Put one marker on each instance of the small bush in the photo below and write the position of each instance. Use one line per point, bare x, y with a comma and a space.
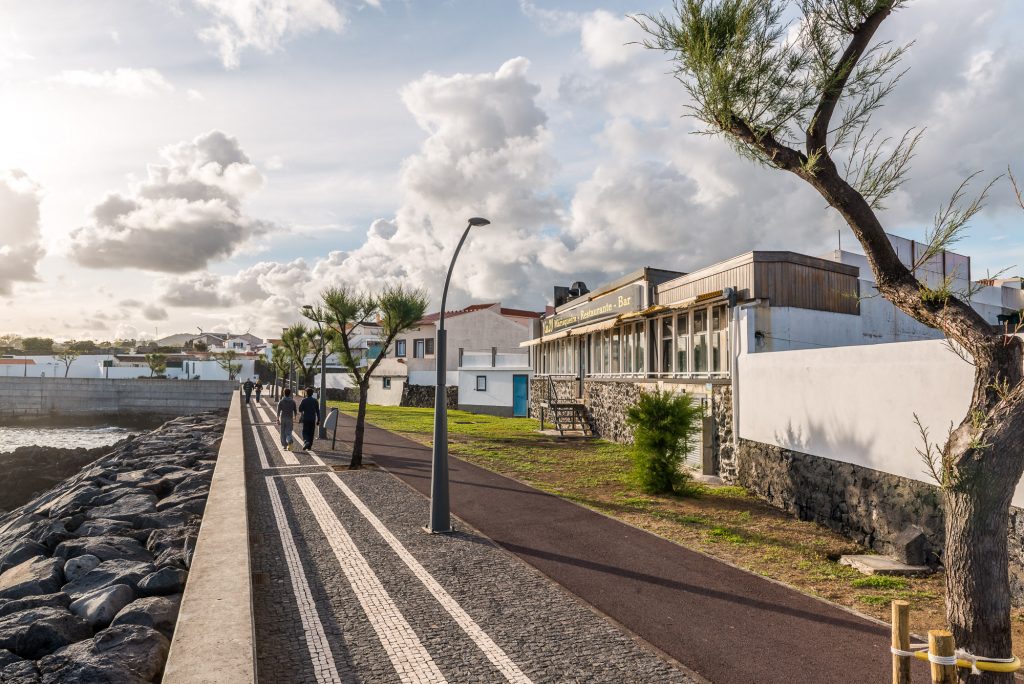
664, 425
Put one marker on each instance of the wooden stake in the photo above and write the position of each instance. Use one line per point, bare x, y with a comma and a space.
901, 640
940, 642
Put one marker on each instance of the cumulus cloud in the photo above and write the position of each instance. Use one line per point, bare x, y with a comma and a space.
20, 247
186, 214
152, 312
127, 82
605, 39
551, 21
264, 24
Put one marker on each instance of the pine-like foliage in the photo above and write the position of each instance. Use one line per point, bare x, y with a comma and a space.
664, 426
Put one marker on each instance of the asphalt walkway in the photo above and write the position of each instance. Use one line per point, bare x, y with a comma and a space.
725, 624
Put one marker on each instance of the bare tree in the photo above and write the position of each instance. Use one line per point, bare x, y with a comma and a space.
799, 96
398, 308
67, 356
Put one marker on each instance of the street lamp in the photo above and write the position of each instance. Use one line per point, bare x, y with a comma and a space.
317, 315
440, 513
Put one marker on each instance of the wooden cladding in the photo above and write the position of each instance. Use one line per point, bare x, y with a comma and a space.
782, 278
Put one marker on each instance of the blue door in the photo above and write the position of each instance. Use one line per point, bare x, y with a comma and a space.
519, 395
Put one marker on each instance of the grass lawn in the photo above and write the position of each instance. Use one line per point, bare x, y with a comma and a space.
722, 521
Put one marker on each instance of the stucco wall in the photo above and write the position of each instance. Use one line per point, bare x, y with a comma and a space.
38, 397
856, 404
499, 387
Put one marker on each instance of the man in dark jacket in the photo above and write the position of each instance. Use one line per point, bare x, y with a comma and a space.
247, 388
309, 414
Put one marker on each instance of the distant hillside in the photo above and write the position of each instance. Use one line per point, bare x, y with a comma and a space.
175, 340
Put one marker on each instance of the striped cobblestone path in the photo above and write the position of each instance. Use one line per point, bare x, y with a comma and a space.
347, 588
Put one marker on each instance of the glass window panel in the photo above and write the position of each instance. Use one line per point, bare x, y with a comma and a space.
683, 343
666, 344
627, 349
640, 347
615, 352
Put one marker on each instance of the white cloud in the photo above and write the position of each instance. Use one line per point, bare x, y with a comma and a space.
20, 248
606, 39
264, 24
194, 95
185, 215
122, 81
552, 22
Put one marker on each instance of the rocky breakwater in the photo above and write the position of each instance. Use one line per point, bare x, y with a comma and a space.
91, 571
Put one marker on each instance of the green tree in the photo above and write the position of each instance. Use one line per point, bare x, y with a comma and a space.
304, 348
37, 345
798, 96
399, 309
10, 341
664, 427
226, 360
67, 355
280, 360
83, 346
157, 364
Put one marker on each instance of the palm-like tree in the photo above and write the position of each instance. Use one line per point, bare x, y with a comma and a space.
399, 308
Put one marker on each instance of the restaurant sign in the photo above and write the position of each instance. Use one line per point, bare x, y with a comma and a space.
624, 300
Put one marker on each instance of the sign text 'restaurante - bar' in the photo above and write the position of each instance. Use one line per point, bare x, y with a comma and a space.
624, 300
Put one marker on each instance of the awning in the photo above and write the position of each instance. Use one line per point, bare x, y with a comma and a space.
546, 338
594, 327
641, 314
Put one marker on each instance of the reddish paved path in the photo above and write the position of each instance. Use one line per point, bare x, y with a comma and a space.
723, 623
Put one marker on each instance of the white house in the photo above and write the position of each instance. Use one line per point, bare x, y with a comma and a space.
495, 383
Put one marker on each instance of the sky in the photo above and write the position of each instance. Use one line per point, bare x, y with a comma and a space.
168, 165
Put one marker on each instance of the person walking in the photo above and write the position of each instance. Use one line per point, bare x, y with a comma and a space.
247, 388
309, 415
258, 389
286, 410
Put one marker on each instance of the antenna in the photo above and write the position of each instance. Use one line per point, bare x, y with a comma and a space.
839, 234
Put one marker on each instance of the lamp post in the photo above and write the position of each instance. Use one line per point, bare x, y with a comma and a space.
317, 315
440, 513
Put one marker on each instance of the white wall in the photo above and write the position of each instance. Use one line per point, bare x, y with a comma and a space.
856, 404
430, 377
499, 387
380, 396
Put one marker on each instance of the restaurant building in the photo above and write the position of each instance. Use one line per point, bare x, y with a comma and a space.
657, 329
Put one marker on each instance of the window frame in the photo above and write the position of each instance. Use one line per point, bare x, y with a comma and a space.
482, 388
400, 349
419, 348
386, 382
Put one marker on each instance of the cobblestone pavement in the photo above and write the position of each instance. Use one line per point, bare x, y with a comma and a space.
347, 588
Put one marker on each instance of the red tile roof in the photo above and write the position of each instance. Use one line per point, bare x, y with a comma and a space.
17, 362
520, 313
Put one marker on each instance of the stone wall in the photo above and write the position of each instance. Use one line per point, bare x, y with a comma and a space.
868, 506
722, 448
607, 401
27, 398
422, 396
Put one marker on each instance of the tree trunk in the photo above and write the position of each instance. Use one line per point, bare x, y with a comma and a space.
976, 563
357, 440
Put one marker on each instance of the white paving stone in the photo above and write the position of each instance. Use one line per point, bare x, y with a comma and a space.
411, 660
494, 653
316, 641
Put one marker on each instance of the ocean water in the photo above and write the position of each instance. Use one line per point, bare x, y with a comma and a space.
12, 437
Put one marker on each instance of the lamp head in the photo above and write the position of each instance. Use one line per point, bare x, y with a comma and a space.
478, 222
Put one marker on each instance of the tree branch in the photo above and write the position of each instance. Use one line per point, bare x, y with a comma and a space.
817, 131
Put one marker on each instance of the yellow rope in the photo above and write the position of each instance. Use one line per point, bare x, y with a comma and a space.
983, 665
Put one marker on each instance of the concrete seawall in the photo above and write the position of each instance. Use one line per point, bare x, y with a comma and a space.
41, 397
213, 639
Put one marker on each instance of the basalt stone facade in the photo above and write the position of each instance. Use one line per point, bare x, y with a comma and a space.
868, 506
422, 396
607, 402
723, 450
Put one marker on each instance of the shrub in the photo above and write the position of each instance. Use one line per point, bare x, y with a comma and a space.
664, 426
